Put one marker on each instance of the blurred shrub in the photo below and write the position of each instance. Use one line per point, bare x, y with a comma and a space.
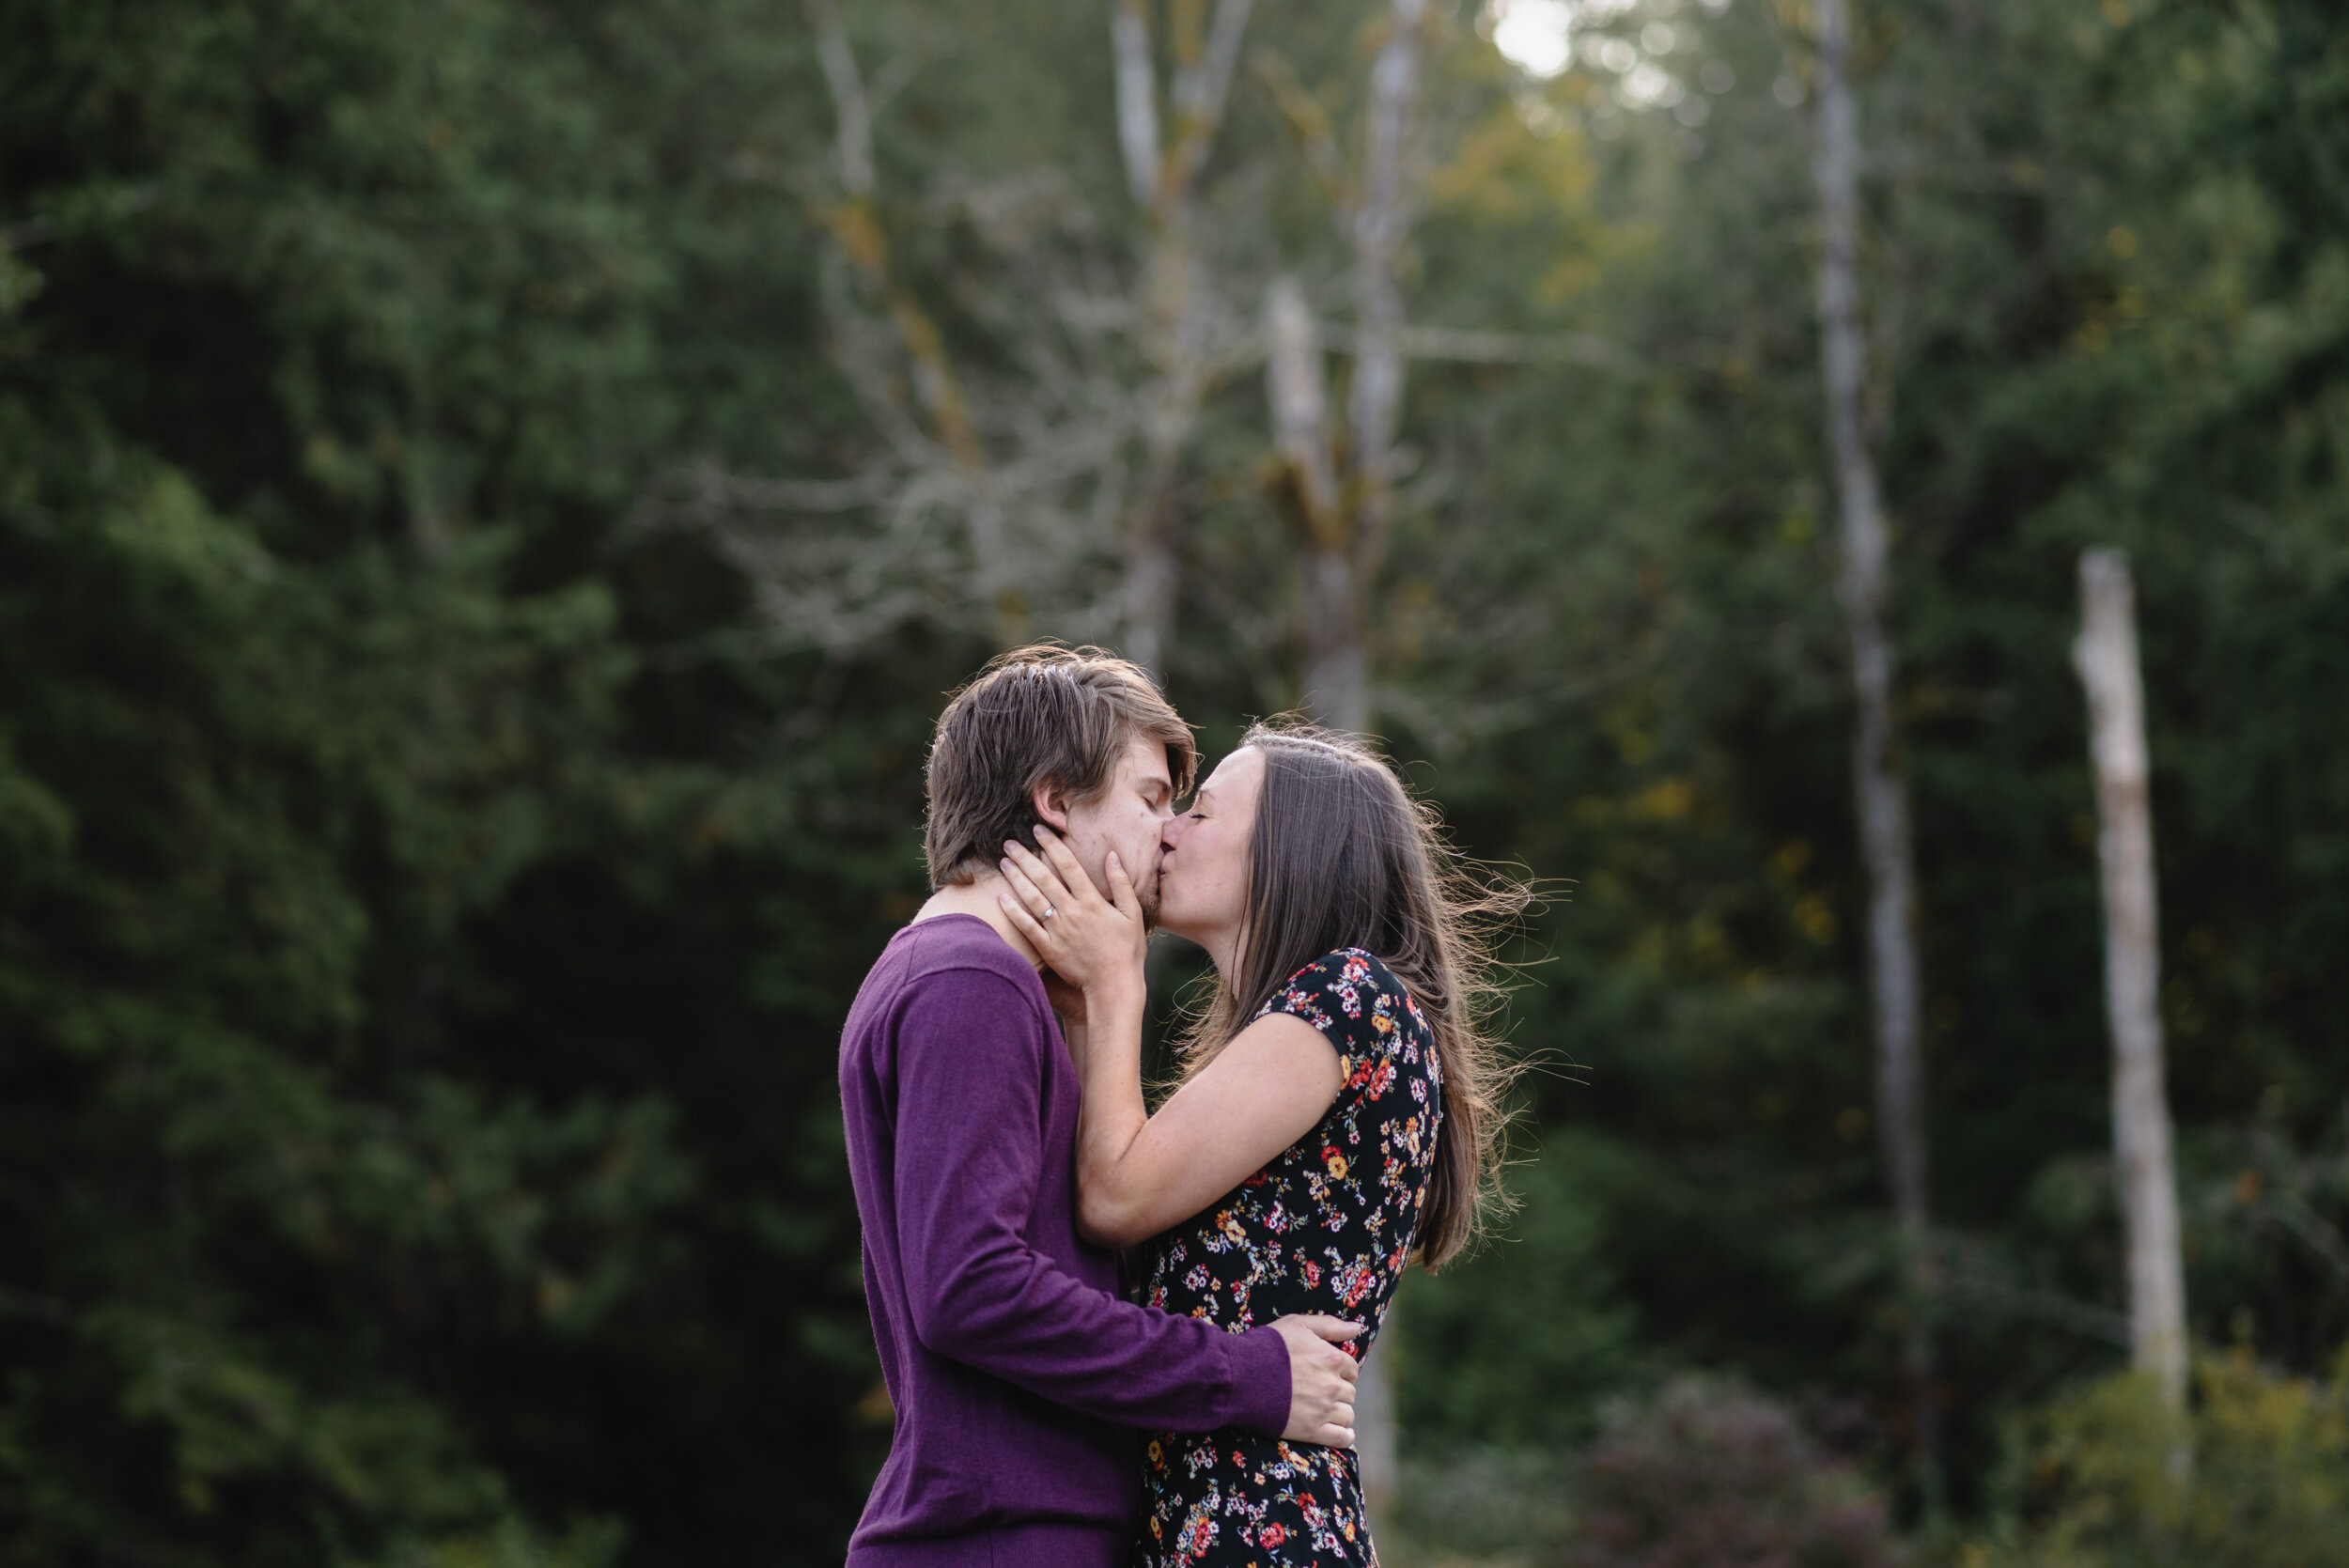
2254, 1475
1479, 1504
1701, 1475
1707, 1476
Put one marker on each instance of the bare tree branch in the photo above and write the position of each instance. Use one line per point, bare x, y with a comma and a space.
1308, 122
2312, 1230
1137, 100
852, 113
1300, 422
1470, 347
2000, 1294
1042, 476
1201, 90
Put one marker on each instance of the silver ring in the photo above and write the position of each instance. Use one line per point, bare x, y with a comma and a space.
1050, 912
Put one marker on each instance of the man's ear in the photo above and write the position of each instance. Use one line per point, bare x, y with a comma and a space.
1050, 803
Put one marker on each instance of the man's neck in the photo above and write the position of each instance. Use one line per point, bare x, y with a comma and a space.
978, 898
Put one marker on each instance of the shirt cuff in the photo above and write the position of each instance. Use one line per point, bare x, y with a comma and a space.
1260, 1382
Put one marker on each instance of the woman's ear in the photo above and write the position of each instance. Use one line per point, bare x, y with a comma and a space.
1050, 804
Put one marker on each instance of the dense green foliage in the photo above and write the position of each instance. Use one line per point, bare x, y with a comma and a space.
408, 1145
429, 888
2257, 1474
2103, 313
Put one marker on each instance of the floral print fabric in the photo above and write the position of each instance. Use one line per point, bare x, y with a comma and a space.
1325, 1228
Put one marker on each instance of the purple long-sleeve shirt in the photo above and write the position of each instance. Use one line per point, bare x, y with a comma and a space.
1021, 1381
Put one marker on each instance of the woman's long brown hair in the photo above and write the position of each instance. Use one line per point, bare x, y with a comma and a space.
1341, 856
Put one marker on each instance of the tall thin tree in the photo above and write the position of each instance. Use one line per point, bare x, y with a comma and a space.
1343, 514
1177, 338
2106, 657
1887, 843
1295, 390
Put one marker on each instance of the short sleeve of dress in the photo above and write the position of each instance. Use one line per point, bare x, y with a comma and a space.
1354, 1000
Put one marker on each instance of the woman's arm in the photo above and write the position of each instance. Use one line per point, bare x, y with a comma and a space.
1137, 1174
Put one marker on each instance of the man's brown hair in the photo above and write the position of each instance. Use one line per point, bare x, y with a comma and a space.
1039, 715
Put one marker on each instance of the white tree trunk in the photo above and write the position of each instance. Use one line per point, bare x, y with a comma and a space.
1336, 665
1175, 337
1345, 521
1382, 221
1337, 583
1344, 525
1137, 99
1887, 848
1300, 407
852, 110
2106, 657
1336, 686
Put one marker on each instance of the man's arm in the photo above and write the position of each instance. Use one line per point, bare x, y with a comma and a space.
970, 1156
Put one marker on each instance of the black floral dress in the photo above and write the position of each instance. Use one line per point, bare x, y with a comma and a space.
1325, 1228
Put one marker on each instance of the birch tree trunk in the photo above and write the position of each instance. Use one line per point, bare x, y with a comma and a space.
2106, 657
1341, 519
1342, 522
1885, 843
1176, 335
1337, 666
1300, 416
1337, 584
1382, 221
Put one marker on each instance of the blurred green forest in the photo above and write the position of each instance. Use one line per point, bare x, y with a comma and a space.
469, 627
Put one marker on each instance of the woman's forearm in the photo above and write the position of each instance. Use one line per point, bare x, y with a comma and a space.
1113, 1113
